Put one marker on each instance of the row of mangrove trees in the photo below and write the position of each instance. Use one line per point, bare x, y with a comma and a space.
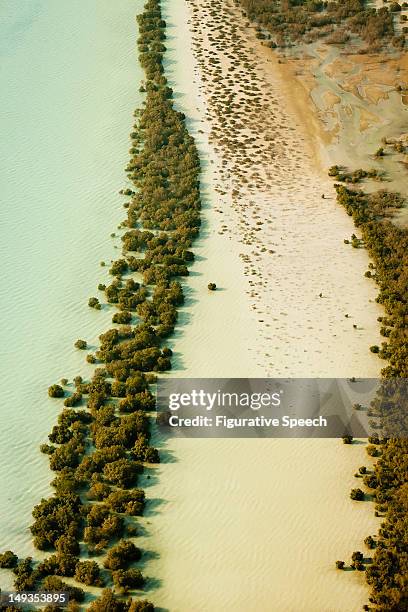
100, 445
387, 245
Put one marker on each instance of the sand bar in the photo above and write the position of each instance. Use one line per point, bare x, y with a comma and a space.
237, 525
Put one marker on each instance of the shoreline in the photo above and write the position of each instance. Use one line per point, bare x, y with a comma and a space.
98, 453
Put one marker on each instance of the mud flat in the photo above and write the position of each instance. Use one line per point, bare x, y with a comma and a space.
353, 102
248, 524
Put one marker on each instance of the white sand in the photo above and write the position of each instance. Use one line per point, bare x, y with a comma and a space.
246, 524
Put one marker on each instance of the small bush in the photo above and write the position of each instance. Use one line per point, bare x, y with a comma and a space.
121, 555
128, 579
88, 573
93, 302
81, 344
56, 391
8, 559
357, 494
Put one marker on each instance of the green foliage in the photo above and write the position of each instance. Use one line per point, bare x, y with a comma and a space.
121, 555
143, 452
67, 455
53, 584
93, 302
307, 20
54, 517
372, 451
8, 559
109, 603
388, 246
81, 344
125, 580
25, 577
63, 564
60, 434
88, 572
129, 502
119, 267
66, 481
395, 7
73, 400
99, 491
122, 317
122, 473
68, 545
369, 542
343, 175
56, 391
357, 494
102, 526
139, 605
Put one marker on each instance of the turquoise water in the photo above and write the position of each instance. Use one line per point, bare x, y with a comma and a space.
70, 81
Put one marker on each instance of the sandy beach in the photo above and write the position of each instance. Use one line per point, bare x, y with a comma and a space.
247, 524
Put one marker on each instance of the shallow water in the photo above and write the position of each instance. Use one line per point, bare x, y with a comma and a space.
71, 79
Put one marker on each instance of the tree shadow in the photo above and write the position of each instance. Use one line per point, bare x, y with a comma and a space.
167, 456
152, 506
142, 531
151, 585
159, 439
147, 556
149, 477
